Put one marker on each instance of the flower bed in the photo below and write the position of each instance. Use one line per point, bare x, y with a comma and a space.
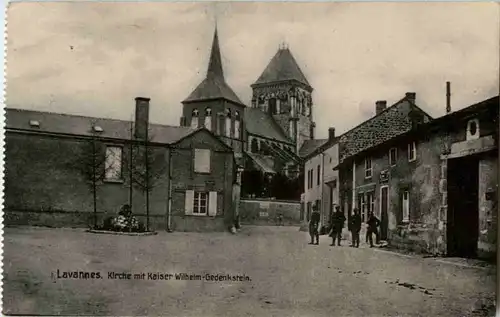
125, 233
123, 224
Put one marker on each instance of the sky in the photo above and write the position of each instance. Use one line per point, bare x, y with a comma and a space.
93, 59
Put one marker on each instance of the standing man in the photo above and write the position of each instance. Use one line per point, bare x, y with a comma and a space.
338, 225
355, 227
314, 224
372, 223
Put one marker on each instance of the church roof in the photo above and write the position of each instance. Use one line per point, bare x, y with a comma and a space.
214, 85
310, 146
282, 67
258, 122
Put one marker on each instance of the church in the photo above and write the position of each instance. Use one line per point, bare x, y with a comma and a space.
270, 136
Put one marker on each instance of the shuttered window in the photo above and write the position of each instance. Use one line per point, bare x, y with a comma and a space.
201, 203
202, 161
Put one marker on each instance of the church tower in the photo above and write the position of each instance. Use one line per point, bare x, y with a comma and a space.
283, 92
214, 105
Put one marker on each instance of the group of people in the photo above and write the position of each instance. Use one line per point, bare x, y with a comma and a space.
337, 225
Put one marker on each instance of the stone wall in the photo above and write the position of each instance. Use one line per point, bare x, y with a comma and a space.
488, 197
45, 183
264, 212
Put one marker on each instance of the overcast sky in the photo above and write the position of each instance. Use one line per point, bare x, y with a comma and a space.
95, 58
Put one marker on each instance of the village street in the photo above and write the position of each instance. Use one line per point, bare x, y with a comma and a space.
287, 276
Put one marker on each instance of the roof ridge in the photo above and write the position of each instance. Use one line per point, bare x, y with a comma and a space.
90, 117
375, 116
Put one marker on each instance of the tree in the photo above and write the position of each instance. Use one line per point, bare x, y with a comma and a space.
146, 168
92, 165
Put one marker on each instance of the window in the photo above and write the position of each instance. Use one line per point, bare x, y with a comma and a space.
195, 119
113, 163
393, 156
237, 131
272, 106
318, 175
208, 119
292, 130
254, 146
201, 203
34, 123
308, 179
472, 129
362, 206
370, 202
412, 151
228, 123
201, 161
405, 206
311, 178
368, 167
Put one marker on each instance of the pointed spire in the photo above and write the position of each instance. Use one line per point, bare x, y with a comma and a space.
214, 86
215, 63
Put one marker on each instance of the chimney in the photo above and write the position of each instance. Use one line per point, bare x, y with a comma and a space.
411, 97
331, 134
380, 106
448, 97
141, 117
311, 130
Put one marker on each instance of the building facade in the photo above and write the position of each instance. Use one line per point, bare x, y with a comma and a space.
56, 162
433, 187
321, 180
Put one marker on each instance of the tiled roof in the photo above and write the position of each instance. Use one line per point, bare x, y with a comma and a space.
260, 123
282, 67
390, 123
309, 146
214, 85
81, 125
213, 88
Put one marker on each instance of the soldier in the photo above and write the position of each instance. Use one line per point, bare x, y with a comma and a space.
372, 223
313, 225
337, 226
355, 228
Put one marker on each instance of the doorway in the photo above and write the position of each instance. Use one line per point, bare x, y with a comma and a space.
384, 206
463, 207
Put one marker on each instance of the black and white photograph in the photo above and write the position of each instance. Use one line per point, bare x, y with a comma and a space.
301, 159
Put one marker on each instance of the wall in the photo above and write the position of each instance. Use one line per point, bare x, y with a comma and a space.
264, 212
488, 183
330, 177
45, 183
314, 193
184, 178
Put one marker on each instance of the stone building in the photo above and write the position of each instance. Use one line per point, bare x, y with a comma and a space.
268, 135
51, 160
357, 184
433, 186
